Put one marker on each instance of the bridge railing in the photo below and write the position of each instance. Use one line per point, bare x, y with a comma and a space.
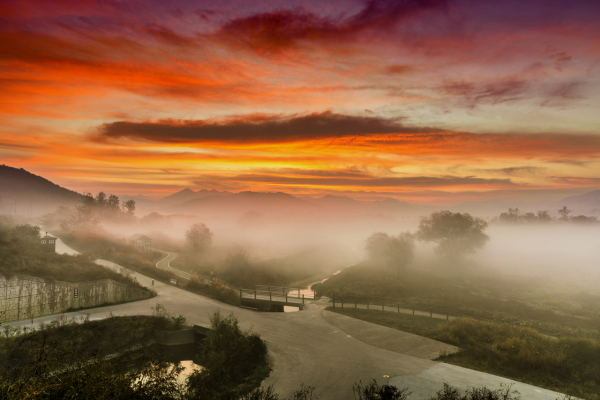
268, 295
279, 289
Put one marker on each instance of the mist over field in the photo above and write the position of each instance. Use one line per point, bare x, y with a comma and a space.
557, 254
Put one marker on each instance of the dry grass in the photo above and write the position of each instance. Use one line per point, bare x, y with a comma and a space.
569, 365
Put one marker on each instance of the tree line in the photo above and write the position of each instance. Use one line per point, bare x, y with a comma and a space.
91, 212
515, 216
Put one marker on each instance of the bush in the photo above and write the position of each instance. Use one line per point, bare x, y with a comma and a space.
166, 320
215, 289
66, 362
234, 361
374, 391
483, 393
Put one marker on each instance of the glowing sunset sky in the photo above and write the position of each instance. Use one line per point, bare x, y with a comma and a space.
423, 100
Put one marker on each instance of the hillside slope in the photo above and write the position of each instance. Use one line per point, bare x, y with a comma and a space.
31, 194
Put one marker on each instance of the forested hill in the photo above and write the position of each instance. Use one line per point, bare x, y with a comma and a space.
30, 194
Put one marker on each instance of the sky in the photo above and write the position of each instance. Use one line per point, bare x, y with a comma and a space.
427, 101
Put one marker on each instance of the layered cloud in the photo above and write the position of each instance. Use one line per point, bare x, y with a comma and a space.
351, 131
391, 96
258, 128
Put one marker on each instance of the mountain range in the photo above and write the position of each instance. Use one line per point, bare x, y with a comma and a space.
34, 195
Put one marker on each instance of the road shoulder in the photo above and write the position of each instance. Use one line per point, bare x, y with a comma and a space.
388, 338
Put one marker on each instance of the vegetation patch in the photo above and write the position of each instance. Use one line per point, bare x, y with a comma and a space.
20, 253
234, 362
99, 244
109, 359
215, 290
569, 365
237, 268
480, 296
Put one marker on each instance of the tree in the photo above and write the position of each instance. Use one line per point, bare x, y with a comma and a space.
544, 216
199, 237
584, 219
394, 251
130, 206
101, 200
82, 217
564, 214
456, 234
511, 216
528, 217
112, 205
26, 233
234, 361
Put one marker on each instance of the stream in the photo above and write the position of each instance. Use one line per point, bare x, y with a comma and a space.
307, 291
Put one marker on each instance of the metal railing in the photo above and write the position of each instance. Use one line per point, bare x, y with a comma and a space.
415, 308
278, 295
278, 289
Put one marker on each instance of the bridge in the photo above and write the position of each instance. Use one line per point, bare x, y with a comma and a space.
273, 298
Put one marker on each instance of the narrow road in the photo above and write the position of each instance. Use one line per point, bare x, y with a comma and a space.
165, 264
322, 349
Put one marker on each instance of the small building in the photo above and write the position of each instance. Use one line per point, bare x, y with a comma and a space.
140, 241
48, 243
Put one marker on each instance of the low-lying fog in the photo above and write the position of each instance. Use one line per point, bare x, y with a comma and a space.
557, 252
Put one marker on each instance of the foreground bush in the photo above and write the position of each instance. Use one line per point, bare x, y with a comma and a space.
74, 359
483, 393
374, 391
234, 361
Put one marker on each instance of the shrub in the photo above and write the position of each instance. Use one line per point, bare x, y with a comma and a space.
374, 391
483, 393
234, 361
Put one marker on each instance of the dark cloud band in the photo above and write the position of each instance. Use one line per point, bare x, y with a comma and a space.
253, 129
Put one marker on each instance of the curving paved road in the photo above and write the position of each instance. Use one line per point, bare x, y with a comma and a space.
324, 349
165, 264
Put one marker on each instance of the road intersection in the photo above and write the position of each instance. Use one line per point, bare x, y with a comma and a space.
322, 349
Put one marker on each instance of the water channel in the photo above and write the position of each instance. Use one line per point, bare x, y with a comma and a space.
307, 291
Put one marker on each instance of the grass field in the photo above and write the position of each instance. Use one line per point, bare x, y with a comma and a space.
486, 296
569, 365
